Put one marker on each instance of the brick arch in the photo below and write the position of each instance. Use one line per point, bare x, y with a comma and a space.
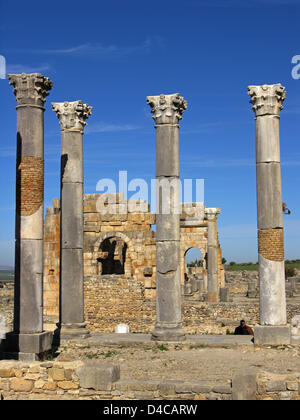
126, 239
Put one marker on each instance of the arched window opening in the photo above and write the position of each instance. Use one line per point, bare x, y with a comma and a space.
112, 256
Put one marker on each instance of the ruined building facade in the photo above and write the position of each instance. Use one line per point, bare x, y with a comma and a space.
119, 261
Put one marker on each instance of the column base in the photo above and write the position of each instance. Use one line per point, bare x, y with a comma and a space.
168, 333
72, 331
272, 335
26, 346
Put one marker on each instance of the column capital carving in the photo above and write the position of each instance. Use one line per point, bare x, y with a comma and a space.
212, 213
167, 109
30, 89
72, 115
267, 99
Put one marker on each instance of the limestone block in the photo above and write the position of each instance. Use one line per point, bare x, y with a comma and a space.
244, 385
72, 216
21, 385
167, 151
57, 374
267, 144
167, 257
167, 227
269, 197
7, 372
272, 304
71, 156
275, 386
272, 335
295, 325
98, 376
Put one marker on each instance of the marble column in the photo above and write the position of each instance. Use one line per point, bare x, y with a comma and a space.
72, 116
212, 254
267, 103
28, 338
167, 110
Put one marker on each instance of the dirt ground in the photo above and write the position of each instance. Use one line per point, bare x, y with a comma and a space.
207, 364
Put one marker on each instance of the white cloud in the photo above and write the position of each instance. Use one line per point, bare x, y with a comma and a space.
98, 50
215, 163
7, 152
23, 68
102, 127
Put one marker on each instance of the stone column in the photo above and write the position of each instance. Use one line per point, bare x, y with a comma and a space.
267, 103
28, 338
212, 254
72, 116
167, 110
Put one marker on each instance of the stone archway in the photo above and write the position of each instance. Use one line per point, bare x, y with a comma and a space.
183, 252
114, 254
197, 257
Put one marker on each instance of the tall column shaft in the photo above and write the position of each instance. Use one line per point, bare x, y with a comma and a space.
167, 110
212, 254
30, 91
72, 116
267, 104
29, 220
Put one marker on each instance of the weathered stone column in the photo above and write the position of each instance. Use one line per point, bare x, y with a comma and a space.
267, 103
212, 254
167, 110
72, 116
28, 338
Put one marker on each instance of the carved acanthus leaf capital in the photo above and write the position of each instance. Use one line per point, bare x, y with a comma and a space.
167, 109
72, 115
267, 99
211, 213
30, 89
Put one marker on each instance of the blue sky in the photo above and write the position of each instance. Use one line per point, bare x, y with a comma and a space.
113, 54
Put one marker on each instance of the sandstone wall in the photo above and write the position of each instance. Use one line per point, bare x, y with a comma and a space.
110, 301
131, 223
61, 381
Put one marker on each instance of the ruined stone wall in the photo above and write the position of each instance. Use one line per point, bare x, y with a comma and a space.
51, 260
113, 300
131, 223
110, 301
64, 381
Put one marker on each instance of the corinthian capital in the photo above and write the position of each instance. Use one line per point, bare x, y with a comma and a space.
267, 99
72, 115
167, 109
211, 213
30, 89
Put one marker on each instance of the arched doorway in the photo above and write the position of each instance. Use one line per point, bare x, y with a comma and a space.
112, 256
194, 262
